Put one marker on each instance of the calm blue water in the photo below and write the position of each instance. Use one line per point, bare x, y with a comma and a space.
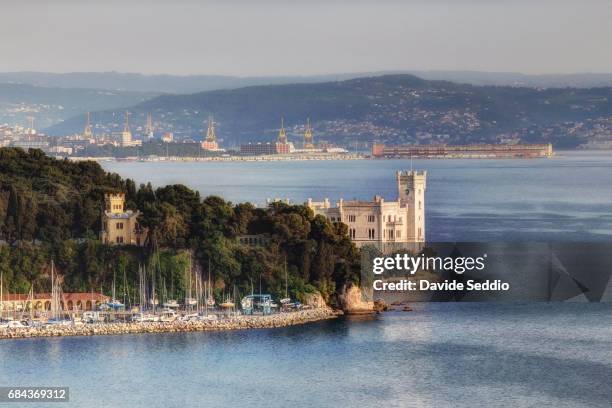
441, 355
568, 198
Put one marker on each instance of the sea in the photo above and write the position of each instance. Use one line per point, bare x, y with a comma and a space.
438, 355
453, 354
565, 198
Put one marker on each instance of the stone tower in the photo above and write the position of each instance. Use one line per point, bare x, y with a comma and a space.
126, 135
114, 202
411, 187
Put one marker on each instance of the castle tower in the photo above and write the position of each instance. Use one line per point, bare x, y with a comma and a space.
308, 136
282, 136
87, 132
114, 202
411, 187
126, 135
149, 131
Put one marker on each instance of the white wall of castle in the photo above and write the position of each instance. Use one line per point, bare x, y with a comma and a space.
380, 221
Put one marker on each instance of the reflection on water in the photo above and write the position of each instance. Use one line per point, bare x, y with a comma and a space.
441, 354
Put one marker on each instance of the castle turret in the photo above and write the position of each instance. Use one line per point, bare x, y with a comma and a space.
114, 202
411, 187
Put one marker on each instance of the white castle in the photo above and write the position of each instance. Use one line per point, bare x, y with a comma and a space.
381, 222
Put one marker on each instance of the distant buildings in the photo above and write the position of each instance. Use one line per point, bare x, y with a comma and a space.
257, 149
210, 142
120, 226
308, 138
126, 135
167, 137
282, 144
465, 151
379, 222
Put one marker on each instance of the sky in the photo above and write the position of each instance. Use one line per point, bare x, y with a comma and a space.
291, 37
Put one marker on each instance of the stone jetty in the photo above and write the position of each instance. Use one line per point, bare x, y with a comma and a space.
231, 323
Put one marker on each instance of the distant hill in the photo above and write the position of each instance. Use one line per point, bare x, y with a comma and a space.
392, 108
199, 83
156, 83
50, 106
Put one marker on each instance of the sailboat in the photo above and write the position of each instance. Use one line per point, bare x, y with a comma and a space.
228, 303
55, 300
114, 303
286, 299
210, 300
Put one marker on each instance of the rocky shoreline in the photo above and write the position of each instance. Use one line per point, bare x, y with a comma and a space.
236, 323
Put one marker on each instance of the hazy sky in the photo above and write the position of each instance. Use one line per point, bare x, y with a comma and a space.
305, 37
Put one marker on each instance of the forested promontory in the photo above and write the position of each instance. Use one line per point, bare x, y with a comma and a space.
50, 210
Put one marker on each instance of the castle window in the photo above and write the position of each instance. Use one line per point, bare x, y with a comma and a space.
352, 233
371, 233
371, 218
119, 240
119, 225
351, 218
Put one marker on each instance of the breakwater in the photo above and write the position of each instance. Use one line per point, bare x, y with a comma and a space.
232, 323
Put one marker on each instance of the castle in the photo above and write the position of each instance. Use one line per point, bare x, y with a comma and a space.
120, 226
381, 222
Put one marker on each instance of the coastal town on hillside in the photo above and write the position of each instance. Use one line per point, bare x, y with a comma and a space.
147, 143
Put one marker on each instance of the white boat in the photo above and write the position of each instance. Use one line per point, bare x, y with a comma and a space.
207, 317
171, 304
12, 324
228, 304
189, 317
91, 317
190, 301
58, 322
142, 318
167, 315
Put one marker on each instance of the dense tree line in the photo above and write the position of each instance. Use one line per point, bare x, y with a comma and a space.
51, 210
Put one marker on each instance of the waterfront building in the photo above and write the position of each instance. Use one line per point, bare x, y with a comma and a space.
31, 142
380, 222
282, 145
167, 137
43, 301
120, 226
308, 138
210, 142
481, 151
257, 149
126, 135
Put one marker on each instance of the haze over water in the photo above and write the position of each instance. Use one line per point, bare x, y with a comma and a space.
568, 198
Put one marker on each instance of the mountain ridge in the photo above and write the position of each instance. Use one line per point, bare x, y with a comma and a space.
392, 108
